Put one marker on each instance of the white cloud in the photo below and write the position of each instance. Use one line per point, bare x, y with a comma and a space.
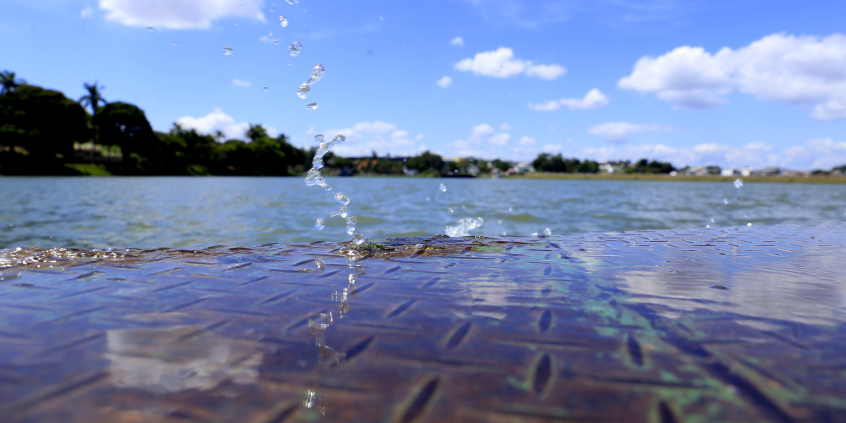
505, 127
622, 131
482, 139
592, 100
526, 142
178, 14
805, 71
366, 137
813, 154
444, 82
243, 84
219, 121
548, 72
457, 41
501, 63
552, 148
87, 12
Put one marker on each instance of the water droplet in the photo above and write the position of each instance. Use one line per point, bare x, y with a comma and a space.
510, 209
712, 220
319, 224
358, 239
427, 199
283, 21
295, 48
738, 183
175, 43
464, 226
276, 42
150, 29
451, 210
264, 88
499, 222
319, 264
749, 224
227, 51
317, 73
289, 64
707, 226
303, 90
311, 106
725, 200
535, 234
442, 187
269, 33
547, 232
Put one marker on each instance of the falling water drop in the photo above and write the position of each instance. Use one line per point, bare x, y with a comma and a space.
227, 51
295, 48
317, 73
302, 91
269, 33
451, 210
276, 42
725, 200
738, 183
264, 88
499, 222
311, 106
319, 224
427, 199
547, 232
283, 21
442, 188
175, 43
150, 29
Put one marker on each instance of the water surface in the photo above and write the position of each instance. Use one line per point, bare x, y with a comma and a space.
148, 212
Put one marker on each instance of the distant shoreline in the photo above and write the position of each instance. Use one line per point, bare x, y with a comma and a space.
683, 178
540, 175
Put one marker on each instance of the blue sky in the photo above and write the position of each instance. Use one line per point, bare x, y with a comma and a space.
732, 83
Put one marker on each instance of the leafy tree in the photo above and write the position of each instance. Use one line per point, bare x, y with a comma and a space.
7, 79
425, 161
93, 99
256, 132
40, 127
126, 126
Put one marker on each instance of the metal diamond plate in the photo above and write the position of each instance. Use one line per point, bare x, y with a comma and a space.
735, 325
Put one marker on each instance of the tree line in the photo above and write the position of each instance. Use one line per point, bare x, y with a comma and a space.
42, 132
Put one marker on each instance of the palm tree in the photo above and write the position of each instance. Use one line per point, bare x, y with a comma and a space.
9, 82
93, 99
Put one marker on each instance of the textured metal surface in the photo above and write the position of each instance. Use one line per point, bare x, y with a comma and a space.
739, 325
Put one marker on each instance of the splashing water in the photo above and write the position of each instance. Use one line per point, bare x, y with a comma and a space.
315, 178
311, 106
464, 226
295, 48
316, 75
319, 224
227, 51
547, 232
303, 90
283, 21
738, 183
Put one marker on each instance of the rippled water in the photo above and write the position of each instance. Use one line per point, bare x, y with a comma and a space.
180, 212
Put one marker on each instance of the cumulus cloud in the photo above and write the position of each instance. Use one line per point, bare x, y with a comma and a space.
592, 100
501, 63
243, 84
526, 142
805, 71
444, 82
366, 137
482, 138
178, 14
812, 154
219, 121
457, 41
622, 131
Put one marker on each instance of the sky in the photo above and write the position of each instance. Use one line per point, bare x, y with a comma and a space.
730, 83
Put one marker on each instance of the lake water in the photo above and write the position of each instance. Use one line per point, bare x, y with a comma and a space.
194, 211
